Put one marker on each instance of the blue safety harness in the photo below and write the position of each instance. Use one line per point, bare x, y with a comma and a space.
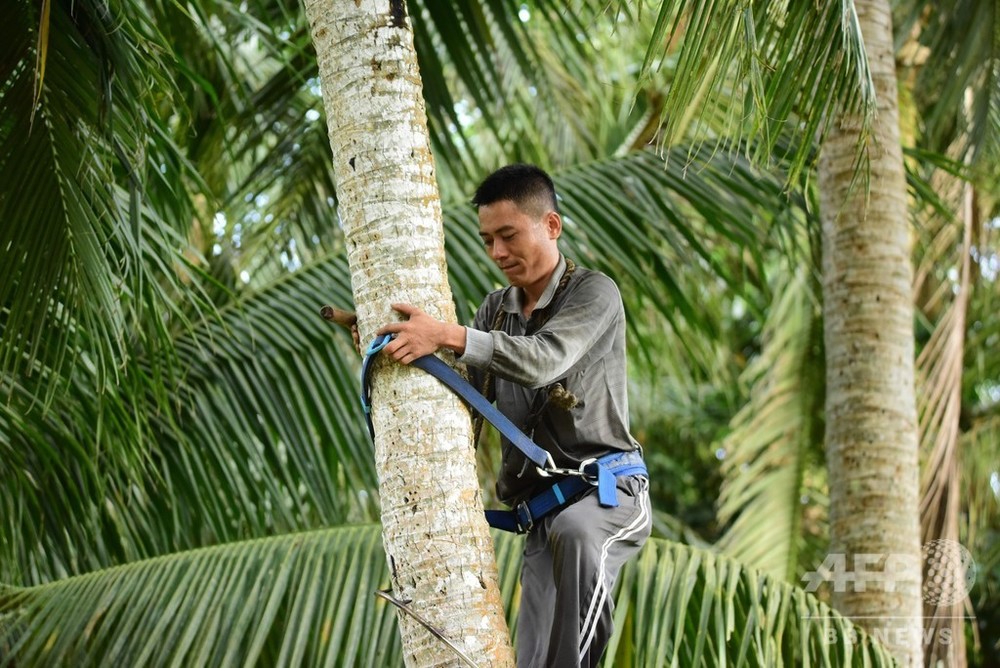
600, 472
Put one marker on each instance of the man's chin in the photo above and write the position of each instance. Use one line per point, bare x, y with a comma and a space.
513, 276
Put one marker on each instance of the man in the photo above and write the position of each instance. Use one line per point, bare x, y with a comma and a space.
551, 347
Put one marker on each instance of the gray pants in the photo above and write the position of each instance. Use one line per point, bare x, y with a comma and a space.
571, 560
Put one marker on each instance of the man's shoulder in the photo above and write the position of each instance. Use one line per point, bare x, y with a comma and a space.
594, 281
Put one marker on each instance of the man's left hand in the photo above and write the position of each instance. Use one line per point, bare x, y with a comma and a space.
420, 335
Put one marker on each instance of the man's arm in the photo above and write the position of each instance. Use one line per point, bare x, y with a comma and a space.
591, 309
533, 361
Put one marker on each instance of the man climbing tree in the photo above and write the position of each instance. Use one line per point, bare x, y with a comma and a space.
550, 348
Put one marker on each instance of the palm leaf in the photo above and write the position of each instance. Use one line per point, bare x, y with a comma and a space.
945, 227
84, 255
981, 492
276, 381
260, 433
955, 51
491, 60
306, 599
683, 606
752, 52
774, 438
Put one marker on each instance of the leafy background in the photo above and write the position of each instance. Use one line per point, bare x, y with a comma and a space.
178, 421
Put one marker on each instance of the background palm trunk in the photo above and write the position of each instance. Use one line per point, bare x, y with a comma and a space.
437, 543
871, 423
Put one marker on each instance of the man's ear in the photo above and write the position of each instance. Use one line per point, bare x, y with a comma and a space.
553, 224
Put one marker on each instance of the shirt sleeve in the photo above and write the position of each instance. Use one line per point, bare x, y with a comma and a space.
591, 307
478, 344
478, 348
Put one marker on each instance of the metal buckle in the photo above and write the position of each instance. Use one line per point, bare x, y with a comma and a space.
591, 479
518, 509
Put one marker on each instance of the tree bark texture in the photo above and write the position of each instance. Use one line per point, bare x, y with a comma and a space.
871, 418
437, 543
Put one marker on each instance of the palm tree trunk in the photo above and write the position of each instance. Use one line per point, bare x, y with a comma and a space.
438, 546
871, 420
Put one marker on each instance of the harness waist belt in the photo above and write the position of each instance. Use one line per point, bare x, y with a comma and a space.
600, 473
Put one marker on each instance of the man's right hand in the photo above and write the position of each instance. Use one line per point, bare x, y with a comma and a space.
344, 319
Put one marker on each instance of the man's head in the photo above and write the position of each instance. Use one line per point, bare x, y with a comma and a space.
527, 186
520, 224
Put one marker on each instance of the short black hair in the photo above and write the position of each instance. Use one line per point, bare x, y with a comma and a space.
528, 186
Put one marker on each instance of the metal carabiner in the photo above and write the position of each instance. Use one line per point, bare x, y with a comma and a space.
552, 470
550, 467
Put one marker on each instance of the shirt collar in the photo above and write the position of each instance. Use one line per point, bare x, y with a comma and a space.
514, 301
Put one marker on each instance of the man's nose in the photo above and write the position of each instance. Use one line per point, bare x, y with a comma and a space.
499, 250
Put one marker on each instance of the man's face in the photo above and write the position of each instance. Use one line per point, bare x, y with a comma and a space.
522, 245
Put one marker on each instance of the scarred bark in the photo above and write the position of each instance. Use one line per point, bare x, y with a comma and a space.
439, 550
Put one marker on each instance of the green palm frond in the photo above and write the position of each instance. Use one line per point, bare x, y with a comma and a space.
304, 599
84, 253
498, 80
269, 407
980, 524
982, 366
955, 51
307, 599
774, 437
259, 432
683, 606
283, 198
748, 57
981, 476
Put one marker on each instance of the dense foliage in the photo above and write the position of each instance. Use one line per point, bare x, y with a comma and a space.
168, 232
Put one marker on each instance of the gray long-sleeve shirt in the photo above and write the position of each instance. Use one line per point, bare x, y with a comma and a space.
577, 340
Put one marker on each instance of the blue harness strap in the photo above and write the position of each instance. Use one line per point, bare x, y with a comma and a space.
464, 390
596, 472
376, 346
